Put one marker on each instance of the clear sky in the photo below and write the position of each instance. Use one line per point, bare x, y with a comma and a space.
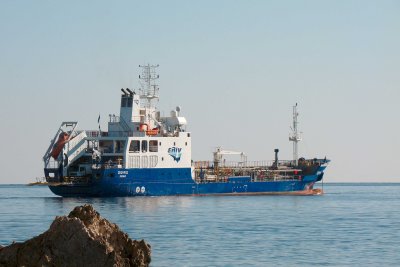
235, 68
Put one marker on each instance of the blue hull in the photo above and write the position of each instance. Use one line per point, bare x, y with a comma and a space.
166, 182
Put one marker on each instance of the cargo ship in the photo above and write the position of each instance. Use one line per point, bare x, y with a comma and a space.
145, 154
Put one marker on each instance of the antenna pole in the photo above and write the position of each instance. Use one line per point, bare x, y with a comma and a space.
149, 89
295, 136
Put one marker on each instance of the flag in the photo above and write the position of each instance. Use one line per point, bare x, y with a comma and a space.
98, 121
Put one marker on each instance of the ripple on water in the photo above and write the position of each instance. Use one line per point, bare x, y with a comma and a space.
351, 225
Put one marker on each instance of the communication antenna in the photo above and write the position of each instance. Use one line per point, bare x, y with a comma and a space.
149, 90
295, 135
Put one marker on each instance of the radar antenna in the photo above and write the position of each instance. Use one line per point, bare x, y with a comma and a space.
295, 135
149, 90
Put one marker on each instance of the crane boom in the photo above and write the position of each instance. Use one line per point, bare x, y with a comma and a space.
220, 152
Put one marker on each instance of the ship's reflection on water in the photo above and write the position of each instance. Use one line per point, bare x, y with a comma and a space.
123, 204
233, 231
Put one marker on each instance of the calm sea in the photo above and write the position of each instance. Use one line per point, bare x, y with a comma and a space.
351, 225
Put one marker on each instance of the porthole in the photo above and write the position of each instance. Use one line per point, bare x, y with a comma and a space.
185, 143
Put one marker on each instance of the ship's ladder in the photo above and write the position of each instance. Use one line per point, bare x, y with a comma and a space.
76, 147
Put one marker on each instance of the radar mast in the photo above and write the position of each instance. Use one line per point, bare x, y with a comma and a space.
149, 89
295, 136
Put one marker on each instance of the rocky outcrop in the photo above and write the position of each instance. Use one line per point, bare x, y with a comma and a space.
82, 238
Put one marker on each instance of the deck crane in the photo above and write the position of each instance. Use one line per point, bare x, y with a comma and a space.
220, 152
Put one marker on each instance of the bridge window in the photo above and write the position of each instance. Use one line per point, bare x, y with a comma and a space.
134, 146
144, 146
119, 146
153, 146
106, 146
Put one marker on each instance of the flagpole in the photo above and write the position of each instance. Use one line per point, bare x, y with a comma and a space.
98, 121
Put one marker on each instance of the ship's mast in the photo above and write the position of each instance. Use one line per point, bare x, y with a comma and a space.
149, 90
295, 135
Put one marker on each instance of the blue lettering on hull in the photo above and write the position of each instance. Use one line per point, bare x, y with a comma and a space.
175, 153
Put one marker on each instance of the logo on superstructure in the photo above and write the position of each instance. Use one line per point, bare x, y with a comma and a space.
175, 153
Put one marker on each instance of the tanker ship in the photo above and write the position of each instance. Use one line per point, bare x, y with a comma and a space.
145, 154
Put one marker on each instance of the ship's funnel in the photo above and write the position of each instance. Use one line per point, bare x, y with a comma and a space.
276, 157
124, 92
130, 92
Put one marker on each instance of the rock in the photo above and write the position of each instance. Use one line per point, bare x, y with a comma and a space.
82, 238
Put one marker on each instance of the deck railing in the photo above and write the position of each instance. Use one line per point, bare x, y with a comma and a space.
238, 164
96, 133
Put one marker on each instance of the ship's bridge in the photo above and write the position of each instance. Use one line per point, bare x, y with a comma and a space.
138, 113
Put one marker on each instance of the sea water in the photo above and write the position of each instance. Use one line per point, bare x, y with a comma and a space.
350, 225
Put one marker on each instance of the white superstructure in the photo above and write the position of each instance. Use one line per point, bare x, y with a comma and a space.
138, 138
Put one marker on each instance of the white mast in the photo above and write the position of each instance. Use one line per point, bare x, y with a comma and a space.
295, 135
149, 90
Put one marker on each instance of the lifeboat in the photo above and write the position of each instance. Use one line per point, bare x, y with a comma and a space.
144, 127
58, 146
153, 131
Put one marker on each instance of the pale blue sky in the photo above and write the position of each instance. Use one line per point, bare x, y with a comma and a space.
235, 68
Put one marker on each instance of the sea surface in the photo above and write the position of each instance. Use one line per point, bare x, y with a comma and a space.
350, 225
